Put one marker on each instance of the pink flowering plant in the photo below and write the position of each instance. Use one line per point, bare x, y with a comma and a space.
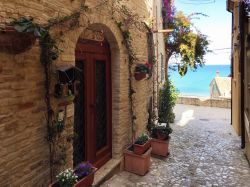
168, 12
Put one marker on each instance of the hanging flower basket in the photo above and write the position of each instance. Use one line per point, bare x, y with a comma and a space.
15, 42
142, 71
140, 75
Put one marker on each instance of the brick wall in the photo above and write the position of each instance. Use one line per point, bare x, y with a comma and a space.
24, 150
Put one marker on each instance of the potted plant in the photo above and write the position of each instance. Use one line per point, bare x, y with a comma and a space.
134, 163
14, 42
137, 156
160, 139
85, 173
141, 144
66, 178
141, 71
82, 176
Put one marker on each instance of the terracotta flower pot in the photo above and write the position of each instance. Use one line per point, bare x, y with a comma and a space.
161, 136
139, 76
15, 42
84, 182
140, 149
138, 164
160, 147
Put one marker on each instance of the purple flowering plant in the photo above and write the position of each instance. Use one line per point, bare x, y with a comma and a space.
247, 6
83, 169
168, 11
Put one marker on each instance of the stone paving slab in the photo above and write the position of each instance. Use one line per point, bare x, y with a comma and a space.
204, 151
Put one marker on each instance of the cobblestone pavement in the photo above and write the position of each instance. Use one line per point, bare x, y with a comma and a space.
204, 151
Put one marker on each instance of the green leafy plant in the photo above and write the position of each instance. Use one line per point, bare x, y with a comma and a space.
142, 139
144, 68
168, 97
49, 53
163, 130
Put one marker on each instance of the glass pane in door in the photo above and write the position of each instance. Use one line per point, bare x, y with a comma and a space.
79, 143
101, 103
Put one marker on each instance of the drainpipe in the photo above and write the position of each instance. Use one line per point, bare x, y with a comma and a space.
242, 68
231, 10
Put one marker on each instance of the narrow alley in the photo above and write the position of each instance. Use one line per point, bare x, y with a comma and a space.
204, 151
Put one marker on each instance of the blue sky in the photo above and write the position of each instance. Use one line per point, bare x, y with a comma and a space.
217, 26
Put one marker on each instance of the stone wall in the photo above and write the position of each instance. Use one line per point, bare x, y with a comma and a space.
24, 150
220, 103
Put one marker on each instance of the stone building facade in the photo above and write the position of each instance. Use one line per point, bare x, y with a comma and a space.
240, 61
236, 73
24, 149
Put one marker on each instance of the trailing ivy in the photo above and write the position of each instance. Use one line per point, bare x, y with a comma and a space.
130, 20
132, 59
49, 53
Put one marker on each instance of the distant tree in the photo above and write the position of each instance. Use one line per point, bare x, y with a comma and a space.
186, 43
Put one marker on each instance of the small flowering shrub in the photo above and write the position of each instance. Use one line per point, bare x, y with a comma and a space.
83, 169
67, 178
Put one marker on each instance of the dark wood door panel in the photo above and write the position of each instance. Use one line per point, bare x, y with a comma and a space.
97, 101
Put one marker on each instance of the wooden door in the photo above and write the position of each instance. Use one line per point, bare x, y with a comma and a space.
96, 121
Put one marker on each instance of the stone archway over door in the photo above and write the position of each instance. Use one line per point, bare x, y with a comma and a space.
93, 120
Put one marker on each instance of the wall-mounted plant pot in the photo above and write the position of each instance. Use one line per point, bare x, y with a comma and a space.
138, 164
140, 75
14, 42
84, 182
160, 147
140, 149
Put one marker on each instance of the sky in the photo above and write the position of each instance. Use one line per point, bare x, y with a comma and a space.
217, 26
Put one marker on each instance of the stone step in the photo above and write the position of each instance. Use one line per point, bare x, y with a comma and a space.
107, 171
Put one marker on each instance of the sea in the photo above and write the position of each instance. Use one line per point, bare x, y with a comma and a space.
196, 83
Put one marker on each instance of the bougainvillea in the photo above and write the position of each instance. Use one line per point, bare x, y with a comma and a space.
247, 6
185, 42
168, 11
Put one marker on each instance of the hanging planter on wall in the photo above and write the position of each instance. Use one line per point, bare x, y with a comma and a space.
14, 42
142, 71
140, 75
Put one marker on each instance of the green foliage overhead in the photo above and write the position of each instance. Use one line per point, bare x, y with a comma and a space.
186, 43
